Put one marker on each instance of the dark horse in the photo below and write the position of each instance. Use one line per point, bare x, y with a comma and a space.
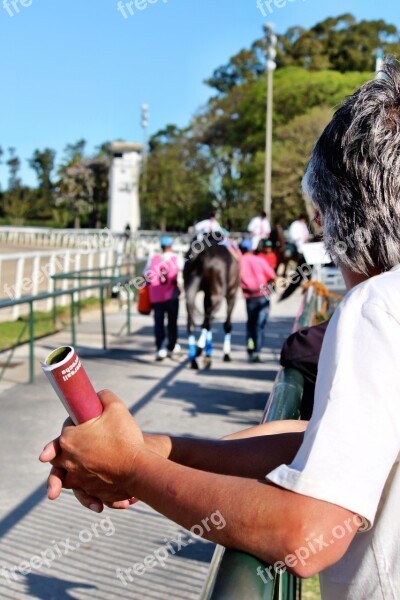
212, 268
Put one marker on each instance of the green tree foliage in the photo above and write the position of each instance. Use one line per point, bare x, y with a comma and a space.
177, 186
338, 43
317, 68
43, 162
82, 195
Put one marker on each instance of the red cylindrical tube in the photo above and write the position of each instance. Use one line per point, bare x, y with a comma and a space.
66, 374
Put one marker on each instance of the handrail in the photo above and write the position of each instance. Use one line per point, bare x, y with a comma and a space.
233, 574
100, 285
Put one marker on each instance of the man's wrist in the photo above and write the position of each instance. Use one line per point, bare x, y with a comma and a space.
159, 444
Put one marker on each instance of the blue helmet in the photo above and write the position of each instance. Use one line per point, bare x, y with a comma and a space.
166, 241
246, 246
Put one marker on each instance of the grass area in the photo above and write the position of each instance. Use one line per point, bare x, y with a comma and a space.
17, 332
310, 589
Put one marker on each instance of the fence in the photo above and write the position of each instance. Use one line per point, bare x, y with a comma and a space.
233, 574
98, 282
30, 273
140, 243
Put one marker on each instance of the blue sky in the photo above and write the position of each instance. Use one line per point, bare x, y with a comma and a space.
76, 69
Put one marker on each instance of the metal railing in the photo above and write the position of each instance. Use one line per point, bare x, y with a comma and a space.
233, 574
100, 283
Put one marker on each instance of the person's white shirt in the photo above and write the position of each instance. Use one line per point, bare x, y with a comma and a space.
298, 234
260, 228
207, 226
351, 449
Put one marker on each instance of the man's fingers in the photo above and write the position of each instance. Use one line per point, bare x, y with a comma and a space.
55, 483
121, 504
50, 451
89, 502
107, 398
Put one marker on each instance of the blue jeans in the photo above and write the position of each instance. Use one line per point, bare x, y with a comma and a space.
257, 316
169, 309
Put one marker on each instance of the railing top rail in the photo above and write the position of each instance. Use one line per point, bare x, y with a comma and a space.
55, 252
77, 274
7, 303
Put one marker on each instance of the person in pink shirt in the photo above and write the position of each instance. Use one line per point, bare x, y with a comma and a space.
255, 274
162, 273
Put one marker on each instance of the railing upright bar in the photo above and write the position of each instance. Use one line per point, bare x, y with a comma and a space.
103, 319
31, 343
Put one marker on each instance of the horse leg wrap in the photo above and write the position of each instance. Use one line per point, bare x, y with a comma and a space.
192, 347
227, 344
209, 347
202, 339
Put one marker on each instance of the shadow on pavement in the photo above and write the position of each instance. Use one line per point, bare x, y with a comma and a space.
49, 588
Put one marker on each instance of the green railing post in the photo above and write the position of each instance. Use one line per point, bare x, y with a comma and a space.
31, 343
128, 301
54, 305
73, 334
79, 300
103, 319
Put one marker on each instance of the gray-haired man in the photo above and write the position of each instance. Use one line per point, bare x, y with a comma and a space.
326, 500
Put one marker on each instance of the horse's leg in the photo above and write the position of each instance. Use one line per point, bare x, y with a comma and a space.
191, 290
230, 300
202, 341
212, 302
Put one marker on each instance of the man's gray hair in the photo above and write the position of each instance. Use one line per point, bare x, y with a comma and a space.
353, 177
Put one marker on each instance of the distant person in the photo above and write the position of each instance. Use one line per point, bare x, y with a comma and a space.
162, 274
299, 233
266, 251
259, 228
127, 231
255, 274
209, 225
298, 236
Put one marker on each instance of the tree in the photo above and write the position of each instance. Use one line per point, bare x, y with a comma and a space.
178, 181
42, 162
76, 191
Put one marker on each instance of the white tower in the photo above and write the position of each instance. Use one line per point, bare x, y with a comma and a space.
123, 195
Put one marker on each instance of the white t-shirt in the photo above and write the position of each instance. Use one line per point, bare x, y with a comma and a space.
298, 234
350, 453
260, 228
207, 226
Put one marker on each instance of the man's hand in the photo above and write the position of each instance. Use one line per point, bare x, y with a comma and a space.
96, 459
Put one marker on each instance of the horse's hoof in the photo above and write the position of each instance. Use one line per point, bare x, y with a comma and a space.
207, 362
199, 351
227, 358
194, 365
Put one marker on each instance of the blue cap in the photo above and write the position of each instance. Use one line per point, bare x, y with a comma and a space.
246, 245
166, 241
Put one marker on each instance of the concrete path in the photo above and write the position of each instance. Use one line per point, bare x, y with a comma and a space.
61, 551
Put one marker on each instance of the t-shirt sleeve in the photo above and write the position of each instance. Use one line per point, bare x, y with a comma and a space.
353, 438
268, 271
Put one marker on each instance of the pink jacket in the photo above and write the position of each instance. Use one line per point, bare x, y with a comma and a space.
162, 275
255, 274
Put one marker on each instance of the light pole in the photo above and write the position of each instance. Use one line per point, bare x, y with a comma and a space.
144, 123
380, 55
270, 66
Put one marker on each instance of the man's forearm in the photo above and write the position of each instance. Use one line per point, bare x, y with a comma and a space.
252, 457
259, 518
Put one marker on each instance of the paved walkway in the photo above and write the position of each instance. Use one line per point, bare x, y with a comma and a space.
60, 550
